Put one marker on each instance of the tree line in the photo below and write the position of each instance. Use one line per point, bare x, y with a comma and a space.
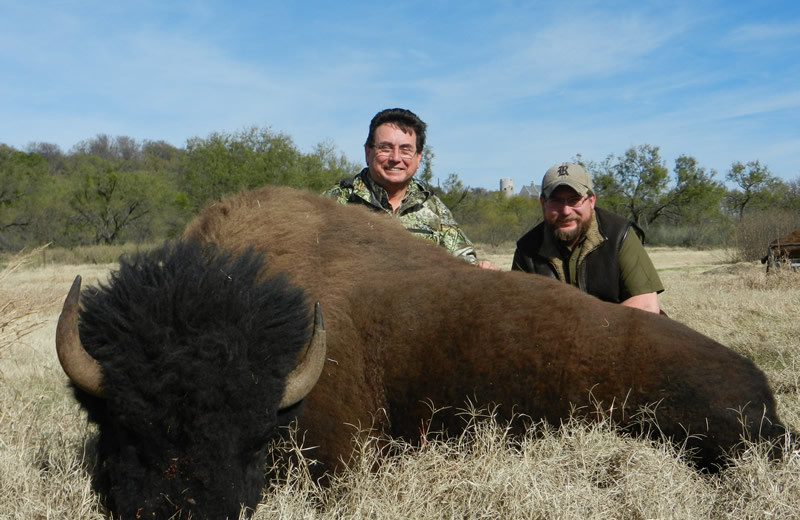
687, 206
112, 190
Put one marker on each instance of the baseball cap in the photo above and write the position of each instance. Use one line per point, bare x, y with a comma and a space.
568, 174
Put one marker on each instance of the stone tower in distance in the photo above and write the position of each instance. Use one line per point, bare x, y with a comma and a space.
507, 187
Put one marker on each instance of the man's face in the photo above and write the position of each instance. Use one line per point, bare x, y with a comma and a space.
567, 214
393, 157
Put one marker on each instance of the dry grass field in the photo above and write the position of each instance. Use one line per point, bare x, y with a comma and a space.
576, 472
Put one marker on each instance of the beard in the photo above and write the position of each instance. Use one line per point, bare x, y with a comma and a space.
570, 237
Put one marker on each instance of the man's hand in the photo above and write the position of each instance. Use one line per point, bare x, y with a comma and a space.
486, 264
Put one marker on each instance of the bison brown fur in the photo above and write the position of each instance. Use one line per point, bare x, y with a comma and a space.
409, 325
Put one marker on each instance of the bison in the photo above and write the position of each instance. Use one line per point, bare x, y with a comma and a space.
190, 350
785, 249
182, 358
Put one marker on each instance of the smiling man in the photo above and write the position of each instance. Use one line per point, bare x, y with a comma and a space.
587, 247
393, 151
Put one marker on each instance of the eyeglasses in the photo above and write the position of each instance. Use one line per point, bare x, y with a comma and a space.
386, 150
572, 202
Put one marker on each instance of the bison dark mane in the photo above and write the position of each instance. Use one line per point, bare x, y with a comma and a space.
190, 390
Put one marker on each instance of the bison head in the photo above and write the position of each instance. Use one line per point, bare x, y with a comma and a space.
187, 360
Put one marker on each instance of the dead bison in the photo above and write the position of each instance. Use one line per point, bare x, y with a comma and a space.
189, 347
190, 352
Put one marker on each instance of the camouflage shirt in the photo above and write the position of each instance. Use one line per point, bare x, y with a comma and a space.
421, 212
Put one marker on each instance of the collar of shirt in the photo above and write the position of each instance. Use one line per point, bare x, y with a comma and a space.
368, 189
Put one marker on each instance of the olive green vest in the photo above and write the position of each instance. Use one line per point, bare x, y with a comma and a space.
598, 270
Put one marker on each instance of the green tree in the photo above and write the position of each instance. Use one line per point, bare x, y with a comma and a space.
494, 227
323, 167
693, 209
21, 176
109, 147
496, 218
453, 192
695, 195
109, 205
160, 156
756, 187
425, 170
51, 153
633, 184
227, 163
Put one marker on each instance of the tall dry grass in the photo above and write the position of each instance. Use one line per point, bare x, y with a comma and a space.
580, 471
15, 310
43, 434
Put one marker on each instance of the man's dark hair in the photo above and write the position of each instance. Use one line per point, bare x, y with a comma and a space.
403, 119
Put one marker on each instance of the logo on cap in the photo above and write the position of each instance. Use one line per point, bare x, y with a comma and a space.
563, 170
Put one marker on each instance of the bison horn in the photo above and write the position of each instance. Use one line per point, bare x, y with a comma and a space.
309, 364
83, 370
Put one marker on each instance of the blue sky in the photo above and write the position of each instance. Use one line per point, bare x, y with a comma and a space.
507, 88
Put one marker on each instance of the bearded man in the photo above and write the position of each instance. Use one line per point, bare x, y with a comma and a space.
590, 248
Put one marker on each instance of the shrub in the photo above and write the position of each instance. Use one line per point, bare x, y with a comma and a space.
757, 229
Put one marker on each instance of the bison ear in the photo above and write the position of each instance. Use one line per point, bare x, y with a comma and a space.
309, 365
82, 369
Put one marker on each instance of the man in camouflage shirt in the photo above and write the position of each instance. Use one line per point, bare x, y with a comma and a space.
393, 151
